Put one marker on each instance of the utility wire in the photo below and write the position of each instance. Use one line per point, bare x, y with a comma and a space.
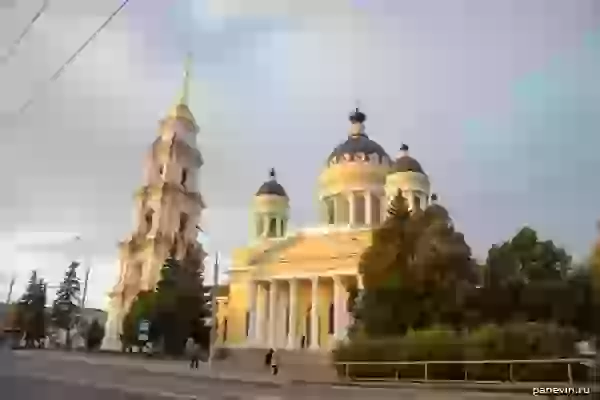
70, 60
12, 50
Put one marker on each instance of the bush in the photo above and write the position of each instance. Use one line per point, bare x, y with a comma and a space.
512, 342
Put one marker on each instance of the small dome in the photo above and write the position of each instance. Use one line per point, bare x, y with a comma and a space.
271, 187
358, 142
406, 163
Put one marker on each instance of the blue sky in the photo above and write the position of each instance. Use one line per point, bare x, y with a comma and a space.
499, 101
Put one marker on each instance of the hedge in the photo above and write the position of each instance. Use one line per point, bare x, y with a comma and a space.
511, 342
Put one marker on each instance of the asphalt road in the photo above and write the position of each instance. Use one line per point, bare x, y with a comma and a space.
38, 377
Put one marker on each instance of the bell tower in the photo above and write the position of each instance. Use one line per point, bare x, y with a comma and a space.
167, 210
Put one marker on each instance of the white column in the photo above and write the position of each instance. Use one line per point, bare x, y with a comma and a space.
252, 292
272, 313
368, 208
292, 341
314, 314
266, 221
351, 209
339, 307
260, 315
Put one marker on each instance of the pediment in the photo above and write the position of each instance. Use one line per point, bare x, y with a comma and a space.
305, 247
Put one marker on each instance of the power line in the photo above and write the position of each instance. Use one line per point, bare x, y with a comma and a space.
12, 49
70, 60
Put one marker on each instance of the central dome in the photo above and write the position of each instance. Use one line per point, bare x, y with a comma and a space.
357, 143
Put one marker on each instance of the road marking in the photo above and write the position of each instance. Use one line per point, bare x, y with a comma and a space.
122, 388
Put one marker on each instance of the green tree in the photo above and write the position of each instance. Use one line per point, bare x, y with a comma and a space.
143, 308
65, 308
30, 312
416, 273
529, 279
94, 335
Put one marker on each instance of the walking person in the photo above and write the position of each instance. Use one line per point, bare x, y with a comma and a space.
268, 358
274, 363
193, 350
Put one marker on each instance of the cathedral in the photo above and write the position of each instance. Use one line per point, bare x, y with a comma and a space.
288, 290
167, 211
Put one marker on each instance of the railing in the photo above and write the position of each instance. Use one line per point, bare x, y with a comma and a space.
347, 373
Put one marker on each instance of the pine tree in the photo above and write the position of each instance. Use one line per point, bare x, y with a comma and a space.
65, 308
30, 312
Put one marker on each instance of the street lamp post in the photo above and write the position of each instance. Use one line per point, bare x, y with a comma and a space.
213, 302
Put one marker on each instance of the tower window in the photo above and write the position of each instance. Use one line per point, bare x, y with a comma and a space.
416, 202
330, 210
272, 227
148, 220
359, 208
225, 330
161, 170
282, 224
183, 220
184, 175
375, 210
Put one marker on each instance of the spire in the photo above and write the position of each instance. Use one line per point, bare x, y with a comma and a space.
180, 108
185, 89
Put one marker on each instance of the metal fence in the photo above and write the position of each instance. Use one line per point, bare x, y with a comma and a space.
510, 364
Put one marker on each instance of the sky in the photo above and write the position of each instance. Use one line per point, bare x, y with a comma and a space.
498, 100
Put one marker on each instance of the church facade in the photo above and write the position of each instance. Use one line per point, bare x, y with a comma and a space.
288, 290
167, 210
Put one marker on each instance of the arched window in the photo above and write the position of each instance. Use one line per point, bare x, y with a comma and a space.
330, 320
184, 175
161, 170
272, 227
225, 330
282, 223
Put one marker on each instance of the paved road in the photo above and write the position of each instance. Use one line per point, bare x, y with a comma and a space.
39, 376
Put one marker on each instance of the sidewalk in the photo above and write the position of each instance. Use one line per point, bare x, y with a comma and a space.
220, 370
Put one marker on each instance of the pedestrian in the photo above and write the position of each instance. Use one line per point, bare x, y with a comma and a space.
268, 358
193, 351
274, 366
303, 342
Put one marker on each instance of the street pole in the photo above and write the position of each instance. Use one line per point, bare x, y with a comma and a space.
85, 287
10, 289
213, 302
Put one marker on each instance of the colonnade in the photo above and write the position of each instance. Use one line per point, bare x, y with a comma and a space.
277, 316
